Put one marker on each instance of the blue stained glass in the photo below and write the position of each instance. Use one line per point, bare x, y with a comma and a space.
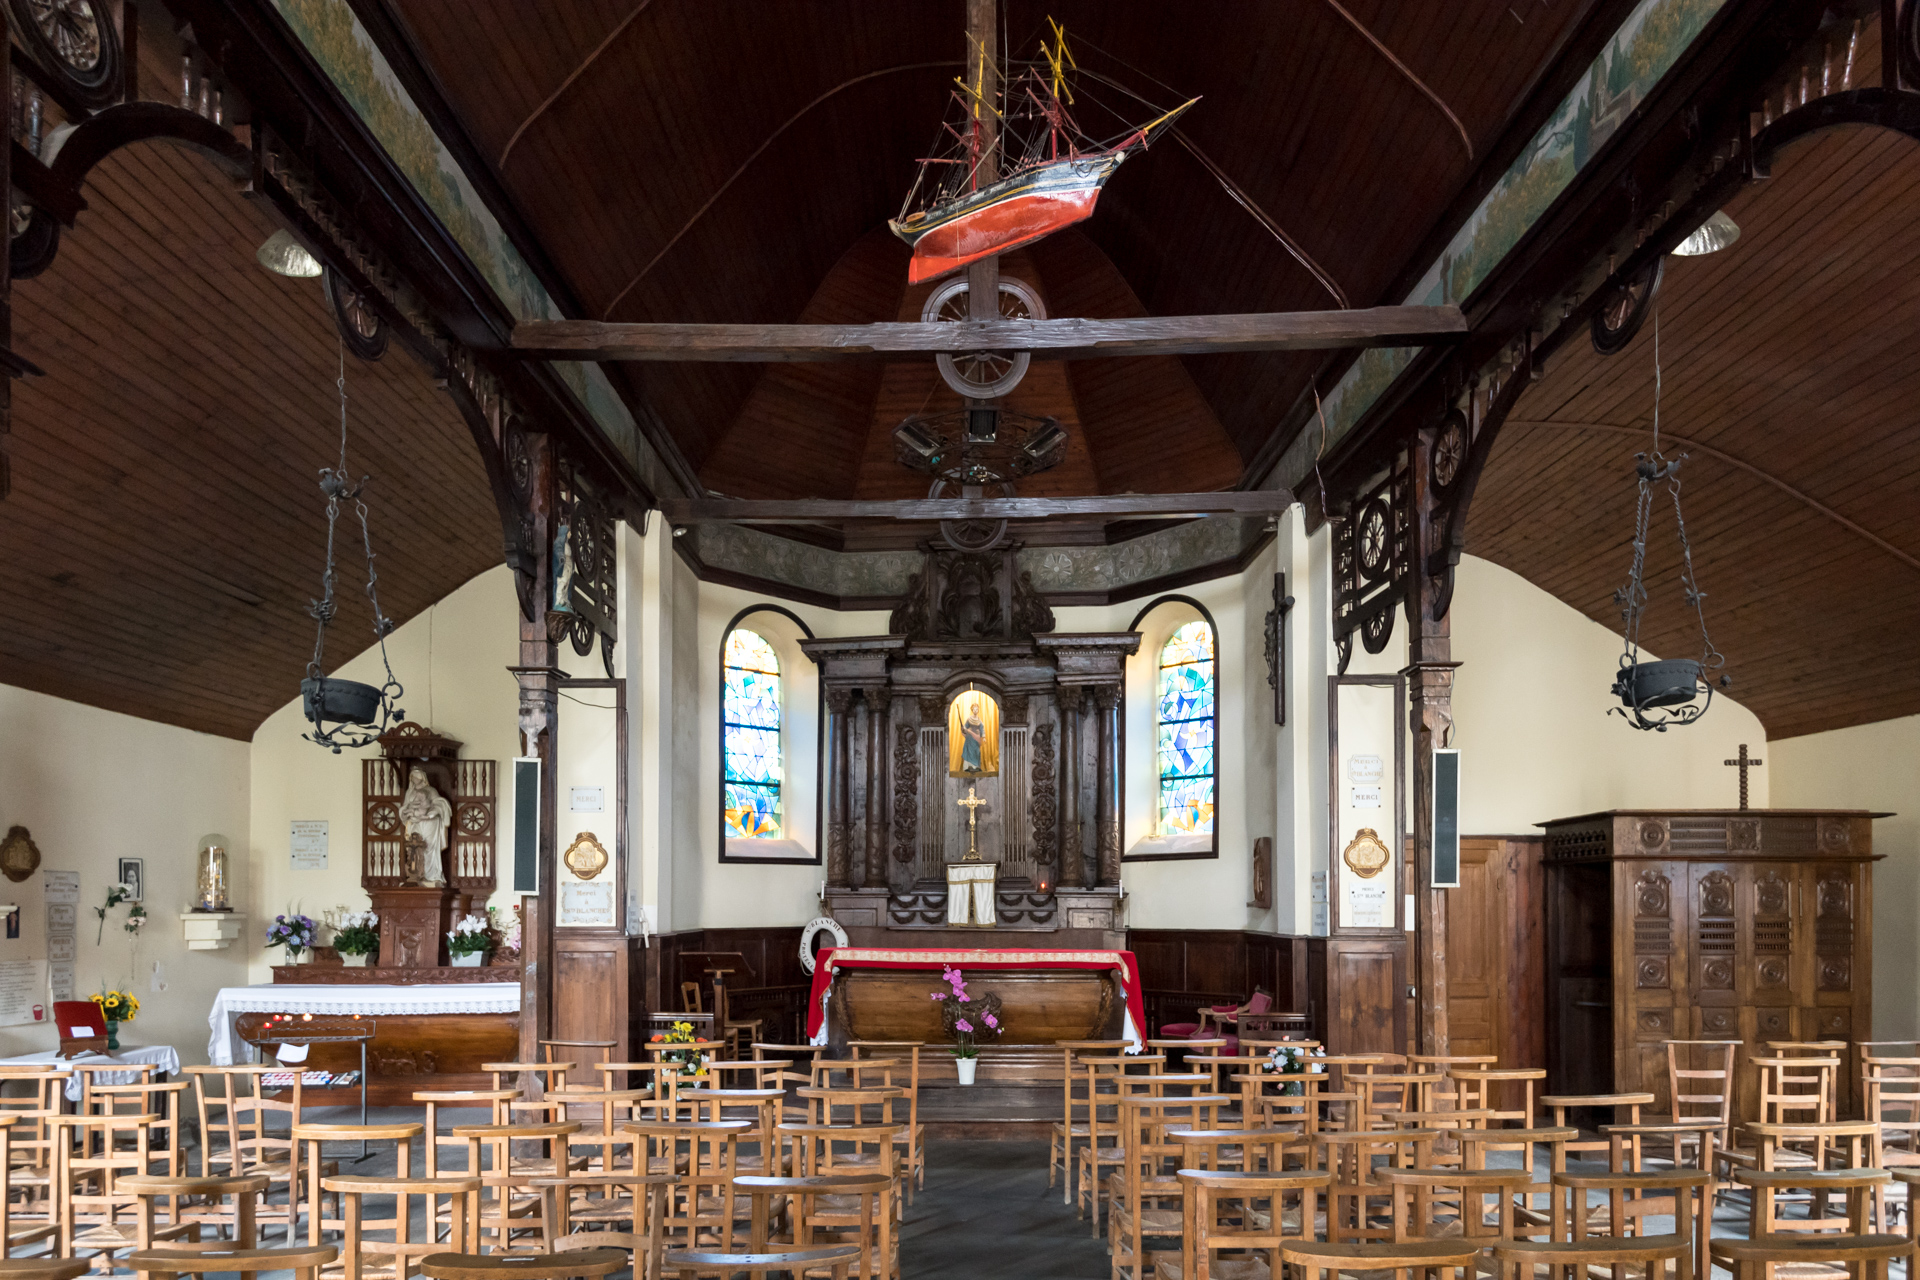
1186, 731
750, 736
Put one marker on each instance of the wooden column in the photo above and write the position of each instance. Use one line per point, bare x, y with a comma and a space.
1072, 865
839, 701
537, 674
873, 862
1106, 701
1430, 719
6, 278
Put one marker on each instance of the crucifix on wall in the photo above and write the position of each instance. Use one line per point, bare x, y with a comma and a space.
1744, 763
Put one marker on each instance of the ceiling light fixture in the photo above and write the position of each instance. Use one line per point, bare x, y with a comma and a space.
283, 255
1711, 236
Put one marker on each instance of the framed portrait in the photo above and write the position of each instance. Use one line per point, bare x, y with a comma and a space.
133, 875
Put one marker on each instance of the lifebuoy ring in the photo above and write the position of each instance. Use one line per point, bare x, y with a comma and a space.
827, 923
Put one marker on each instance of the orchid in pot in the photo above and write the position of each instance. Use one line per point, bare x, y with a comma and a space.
966, 1018
356, 936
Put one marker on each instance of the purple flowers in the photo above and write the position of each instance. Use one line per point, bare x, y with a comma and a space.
963, 1025
939, 995
964, 1014
993, 1023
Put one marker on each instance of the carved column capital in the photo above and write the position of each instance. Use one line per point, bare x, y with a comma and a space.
839, 701
1014, 709
1071, 697
931, 710
1106, 696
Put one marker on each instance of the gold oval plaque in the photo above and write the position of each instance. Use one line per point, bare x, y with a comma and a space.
586, 857
1365, 855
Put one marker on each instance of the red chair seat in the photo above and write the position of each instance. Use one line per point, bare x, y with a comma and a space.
1179, 1030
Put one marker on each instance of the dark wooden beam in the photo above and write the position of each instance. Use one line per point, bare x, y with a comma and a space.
1239, 502
1048, 339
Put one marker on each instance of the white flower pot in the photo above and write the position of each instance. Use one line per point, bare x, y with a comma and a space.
354, 962
471, 960
966, 1067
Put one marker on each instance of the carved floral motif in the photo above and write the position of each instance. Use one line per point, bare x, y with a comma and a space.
906, 790
1041, 804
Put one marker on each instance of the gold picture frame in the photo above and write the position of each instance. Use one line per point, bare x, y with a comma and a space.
19, 855
586, 857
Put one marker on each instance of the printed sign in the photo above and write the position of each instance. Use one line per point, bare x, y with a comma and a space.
307, 844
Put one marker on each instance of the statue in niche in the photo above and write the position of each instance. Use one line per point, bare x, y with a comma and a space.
427, 817
973, 736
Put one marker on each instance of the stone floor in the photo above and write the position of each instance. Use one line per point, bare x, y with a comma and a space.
988, 1214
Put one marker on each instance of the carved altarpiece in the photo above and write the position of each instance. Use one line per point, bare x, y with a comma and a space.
1051, 818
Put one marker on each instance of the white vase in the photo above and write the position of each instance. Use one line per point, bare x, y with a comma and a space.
354, 962
471, 960
966, 1068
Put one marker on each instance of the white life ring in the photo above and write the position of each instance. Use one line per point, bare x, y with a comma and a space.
830, 925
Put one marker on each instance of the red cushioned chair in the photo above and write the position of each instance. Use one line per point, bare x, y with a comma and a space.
1225, 1020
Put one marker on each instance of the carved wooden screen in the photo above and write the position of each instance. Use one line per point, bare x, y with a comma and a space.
471, 858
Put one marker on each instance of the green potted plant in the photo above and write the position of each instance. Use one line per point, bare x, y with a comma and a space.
356, 937
469, 941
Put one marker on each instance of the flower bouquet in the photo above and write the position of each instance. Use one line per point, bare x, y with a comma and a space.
469, 941
691, 1063
116, 1007
965, 1017
1295, 1060
296, 933
356, 936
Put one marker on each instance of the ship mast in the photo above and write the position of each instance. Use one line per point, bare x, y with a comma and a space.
983, 77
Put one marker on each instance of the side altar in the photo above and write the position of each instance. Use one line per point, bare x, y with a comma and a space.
972, 767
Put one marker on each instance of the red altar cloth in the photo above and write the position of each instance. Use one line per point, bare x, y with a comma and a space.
1121, 962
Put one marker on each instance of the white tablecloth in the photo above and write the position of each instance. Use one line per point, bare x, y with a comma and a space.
161, 1056
367, 1000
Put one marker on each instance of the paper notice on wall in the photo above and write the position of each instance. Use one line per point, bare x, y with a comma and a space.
307, 843
60, 887
23, 992
1367, 906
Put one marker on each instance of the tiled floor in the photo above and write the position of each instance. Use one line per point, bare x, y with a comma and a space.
987, 1214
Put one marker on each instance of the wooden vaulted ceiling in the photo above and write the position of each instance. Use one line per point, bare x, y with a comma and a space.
731, 163
165, 530
1788, 361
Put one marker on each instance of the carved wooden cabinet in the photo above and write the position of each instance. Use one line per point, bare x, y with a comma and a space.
1704, 924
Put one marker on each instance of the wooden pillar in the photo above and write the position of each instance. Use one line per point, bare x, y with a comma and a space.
839, 701
1072, 865
1106, 701
537, 675
6, 279
873, 863
1430, 715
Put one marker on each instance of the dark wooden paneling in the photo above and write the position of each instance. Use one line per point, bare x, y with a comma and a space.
1366, 995
776, 993
1181, 969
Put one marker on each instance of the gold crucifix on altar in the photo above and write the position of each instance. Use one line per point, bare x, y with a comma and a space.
972, 804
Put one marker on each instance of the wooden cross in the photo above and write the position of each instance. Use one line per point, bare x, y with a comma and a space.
1745, 763
972, 804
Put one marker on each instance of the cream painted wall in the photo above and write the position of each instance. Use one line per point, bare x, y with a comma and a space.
1530, 709
1871, 766
94, 786
453, 660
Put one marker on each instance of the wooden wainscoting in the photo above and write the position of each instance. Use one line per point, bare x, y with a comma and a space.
1183, 969
776, 993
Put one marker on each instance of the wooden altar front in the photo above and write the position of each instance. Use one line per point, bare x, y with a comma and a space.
1752, 925
1050, 818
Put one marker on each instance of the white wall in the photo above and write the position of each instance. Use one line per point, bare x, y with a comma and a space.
453, 661
1877, 767
93, 787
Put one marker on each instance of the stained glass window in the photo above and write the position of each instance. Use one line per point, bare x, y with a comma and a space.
1186, 731
750, 726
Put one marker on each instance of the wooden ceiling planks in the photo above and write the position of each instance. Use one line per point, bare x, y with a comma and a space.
1298, 108
1790, 351
166, 522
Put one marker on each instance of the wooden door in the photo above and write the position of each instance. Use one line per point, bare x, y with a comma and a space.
1496, 951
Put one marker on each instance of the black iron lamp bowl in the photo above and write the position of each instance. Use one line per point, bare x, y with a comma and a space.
1646, 685
340, 701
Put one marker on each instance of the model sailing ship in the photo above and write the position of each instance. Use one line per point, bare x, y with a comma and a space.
1016, 168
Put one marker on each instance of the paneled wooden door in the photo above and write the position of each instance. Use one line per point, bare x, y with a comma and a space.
1496, 951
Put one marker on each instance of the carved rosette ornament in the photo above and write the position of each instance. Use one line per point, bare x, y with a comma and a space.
1040, 803
906, 789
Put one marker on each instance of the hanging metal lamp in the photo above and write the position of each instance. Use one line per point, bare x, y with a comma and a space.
347, 713
1675, 691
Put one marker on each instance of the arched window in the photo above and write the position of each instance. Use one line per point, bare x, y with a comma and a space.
1185, 731
750, 737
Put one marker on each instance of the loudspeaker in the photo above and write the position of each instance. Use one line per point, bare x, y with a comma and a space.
1446, 820
526, 824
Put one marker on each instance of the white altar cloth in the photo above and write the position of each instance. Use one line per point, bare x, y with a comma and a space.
163, 1057
365, 999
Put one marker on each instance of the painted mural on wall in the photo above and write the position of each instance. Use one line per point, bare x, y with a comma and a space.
1645, 47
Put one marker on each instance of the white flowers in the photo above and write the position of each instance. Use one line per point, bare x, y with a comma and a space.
468, 924
357, 920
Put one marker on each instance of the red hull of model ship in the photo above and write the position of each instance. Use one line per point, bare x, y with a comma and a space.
997, 228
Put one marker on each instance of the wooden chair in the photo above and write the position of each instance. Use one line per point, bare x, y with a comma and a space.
1349, 1156
687, 1264
1342, 1069
434, 1100
1654, 1255
596, 1201
164, 1135
1266, 1103
198, 1200
591, 1052
1075, 1126
849, 1209
1384, 1091
1710, 1063
1890, 1090
758, 1107
913, 1134
30, 1142
701, 1199
1865, 1257
1445, 1096
509, 1203
1772, 1189
1562, 1103
249, 1123
44, 1268
1630, 1198
1220, 1212
1480, 1090
1147, 1178
1432, 1259
1534, 1203
816, 1150
1238, 1150
312, 1138
96, 1215
304, 1261
1108, 1080
600, 1113
1419, 1194
396, 1257
590, 1263
90, 1076
30, 1228
539, 1106
850, 1106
